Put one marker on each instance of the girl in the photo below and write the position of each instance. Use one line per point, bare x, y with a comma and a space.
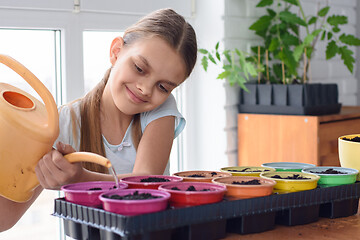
130, 117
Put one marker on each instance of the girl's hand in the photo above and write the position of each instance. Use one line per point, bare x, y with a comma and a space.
53, 170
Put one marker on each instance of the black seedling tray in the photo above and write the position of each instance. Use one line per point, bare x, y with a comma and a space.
211, 221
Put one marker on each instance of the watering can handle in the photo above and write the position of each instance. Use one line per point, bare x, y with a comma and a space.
39, 87
88, 157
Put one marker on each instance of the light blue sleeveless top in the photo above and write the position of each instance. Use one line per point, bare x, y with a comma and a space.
122, 156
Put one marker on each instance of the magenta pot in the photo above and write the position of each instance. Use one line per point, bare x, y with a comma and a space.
136, 181
134, 207
181, 197
87, 193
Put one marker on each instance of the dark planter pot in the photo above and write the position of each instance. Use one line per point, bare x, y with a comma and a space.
280, 94
296, 95
293, 99
312, 94
264, 94
249, 98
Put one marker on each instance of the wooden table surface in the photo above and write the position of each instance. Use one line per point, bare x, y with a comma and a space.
324, 229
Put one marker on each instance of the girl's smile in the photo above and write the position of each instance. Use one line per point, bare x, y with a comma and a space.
134, 97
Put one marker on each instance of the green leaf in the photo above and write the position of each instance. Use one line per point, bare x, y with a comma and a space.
298, 51
204, 63
336, 29
316, 32
294, 28
223, 75
251, 69
323, 35
203, 51
331, 50
274, 44
335, 20
211, 58
217, 46
293, 2
264, 3
271, 12
227, 55
291, 18
218, 55
312, 20
329, 35
277, 70
261, 24
290, 39
308, 39
349, 40
322, 12
287, 56
346, 56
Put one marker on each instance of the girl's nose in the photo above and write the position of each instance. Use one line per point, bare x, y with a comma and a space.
145, 87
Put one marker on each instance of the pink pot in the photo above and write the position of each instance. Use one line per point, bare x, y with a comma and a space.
134, 207
84, 193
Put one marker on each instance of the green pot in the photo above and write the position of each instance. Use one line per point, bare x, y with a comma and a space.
329, 180
288, 166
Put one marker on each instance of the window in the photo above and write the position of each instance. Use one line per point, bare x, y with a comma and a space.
36, 50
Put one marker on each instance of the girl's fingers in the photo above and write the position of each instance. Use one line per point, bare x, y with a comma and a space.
40, 176
45, 175
64, 148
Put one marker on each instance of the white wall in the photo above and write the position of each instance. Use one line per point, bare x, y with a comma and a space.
205, 96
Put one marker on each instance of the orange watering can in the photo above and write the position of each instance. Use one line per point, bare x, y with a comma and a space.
28, 130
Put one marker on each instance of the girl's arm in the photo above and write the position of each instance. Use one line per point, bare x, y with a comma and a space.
155, 145
54, 171
11, 212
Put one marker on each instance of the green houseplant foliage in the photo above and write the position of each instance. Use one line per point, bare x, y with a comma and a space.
280, 30
236, 66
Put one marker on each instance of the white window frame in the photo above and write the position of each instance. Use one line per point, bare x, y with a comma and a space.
72, 17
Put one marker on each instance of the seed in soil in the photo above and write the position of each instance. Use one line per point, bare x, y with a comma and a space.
329, 171
213, 174
354, 139
251, 182
295, 176
154, 179
94, 189
135, 196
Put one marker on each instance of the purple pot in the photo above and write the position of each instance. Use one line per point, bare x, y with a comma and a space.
87, 193
134, 207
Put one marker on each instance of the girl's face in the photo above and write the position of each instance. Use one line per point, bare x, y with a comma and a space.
144, 74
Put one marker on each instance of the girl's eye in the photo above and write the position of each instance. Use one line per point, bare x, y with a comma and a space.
138, 69
162, 88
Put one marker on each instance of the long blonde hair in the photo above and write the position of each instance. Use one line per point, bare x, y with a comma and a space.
164, 23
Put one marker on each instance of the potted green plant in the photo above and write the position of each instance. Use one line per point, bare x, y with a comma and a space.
282, 62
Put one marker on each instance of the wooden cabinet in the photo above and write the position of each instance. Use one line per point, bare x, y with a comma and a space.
283, 138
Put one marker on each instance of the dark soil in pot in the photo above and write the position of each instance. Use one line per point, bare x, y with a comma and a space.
202, 175
355, 139
134, 196
190, 188
154, 179
251, 182
329, 171
295, 176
